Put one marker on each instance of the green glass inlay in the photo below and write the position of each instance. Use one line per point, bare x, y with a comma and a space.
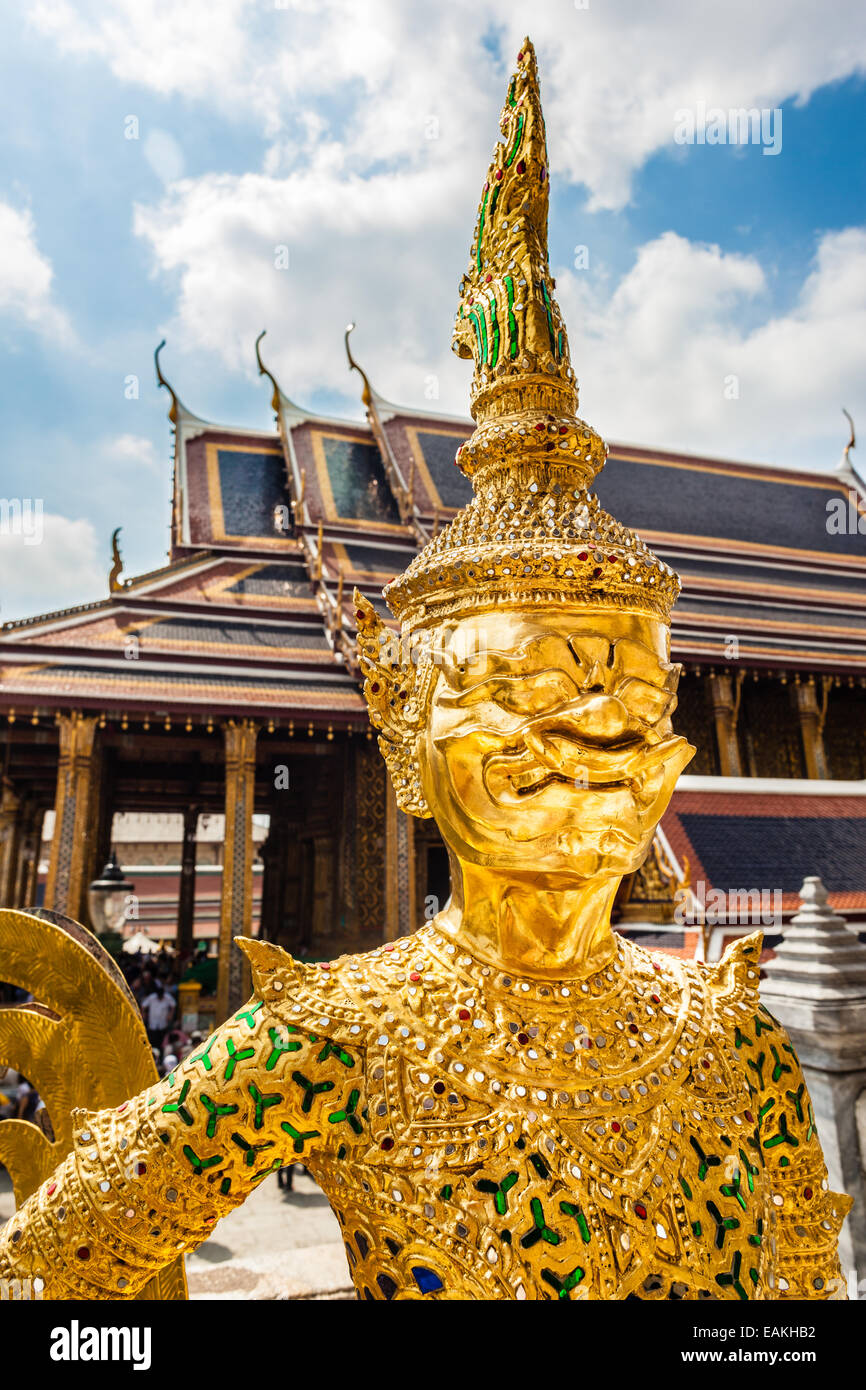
279, 1044
582, 1224
732, 1189
756, 1239
250, 1150
310, 1089
512, 321
707, 1161
261, 1103
541, 1230
723, 1224
539, 1165
780, 1066
200, 1164
235, 1057
494, 334
521, 120
337, 1117
299, 1136
733, 1279
481, 228
476, 324
564, 1285
263, 1172
332, 1049
751, 1170
204, 1056
549, 317
499, 1191
796, 1099
783, 1136
215, 1112
248, 1014
177, 1107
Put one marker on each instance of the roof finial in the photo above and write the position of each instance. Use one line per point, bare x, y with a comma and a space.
175, 400
852, 442
367, 393
263, 371
114, 583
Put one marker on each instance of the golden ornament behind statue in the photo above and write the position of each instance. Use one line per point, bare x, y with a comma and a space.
512, 1102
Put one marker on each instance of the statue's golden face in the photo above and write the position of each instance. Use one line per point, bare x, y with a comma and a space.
549, 745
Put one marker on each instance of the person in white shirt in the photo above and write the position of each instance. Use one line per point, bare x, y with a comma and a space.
157, 1010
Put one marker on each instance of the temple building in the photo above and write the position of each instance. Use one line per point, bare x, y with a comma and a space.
226, 684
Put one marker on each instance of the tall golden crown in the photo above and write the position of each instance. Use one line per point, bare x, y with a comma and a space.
533, 533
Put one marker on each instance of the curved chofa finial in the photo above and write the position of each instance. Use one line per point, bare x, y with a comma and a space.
175, 399
114, 583
367, 393
263, 371
852, 442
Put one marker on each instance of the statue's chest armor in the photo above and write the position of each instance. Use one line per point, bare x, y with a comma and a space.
589, 1139
667, 1201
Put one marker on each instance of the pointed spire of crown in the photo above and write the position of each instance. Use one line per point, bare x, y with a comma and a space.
508, 319
533, 532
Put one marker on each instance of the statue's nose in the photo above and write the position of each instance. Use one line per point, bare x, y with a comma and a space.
561, 738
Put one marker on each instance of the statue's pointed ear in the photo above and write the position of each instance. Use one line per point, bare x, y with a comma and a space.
390, 680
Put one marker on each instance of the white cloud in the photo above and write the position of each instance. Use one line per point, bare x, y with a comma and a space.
656, 352
614, 75
376, 217
26, 276
45, 555
164, 155
665, 359
135, 451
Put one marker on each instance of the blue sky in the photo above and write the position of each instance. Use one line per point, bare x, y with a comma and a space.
304, 125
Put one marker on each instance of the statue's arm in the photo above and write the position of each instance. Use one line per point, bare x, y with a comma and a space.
808, 1216
148, 1180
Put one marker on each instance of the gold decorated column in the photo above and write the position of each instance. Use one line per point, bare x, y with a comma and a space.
29, 861
399, 869
811, 729
10, 837
236, 914
186, 897
725, 710
74, 819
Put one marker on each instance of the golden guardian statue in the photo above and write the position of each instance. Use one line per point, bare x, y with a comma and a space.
512, 1102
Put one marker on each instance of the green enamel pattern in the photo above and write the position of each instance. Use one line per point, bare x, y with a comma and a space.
235, 1057
518, 137
481, 218
215, 1113
281, 1044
